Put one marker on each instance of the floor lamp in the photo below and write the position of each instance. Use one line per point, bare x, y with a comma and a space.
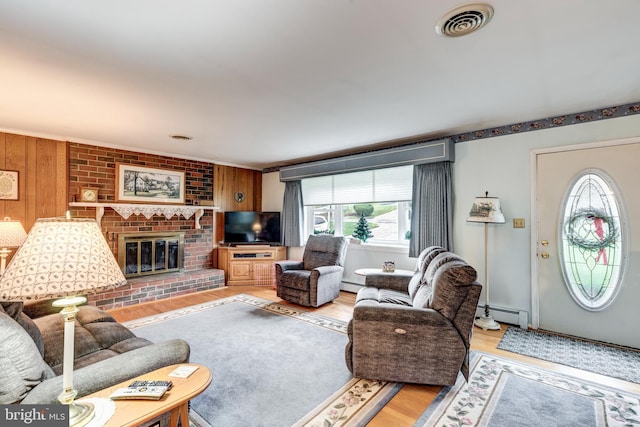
63, 258
12, 235
487, 210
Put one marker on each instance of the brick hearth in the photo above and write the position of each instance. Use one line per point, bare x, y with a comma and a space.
152, 288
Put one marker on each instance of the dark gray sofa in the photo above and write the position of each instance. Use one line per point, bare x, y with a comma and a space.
415, 329
106, 353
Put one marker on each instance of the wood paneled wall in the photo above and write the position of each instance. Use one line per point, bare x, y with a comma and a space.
44, 182
42, 177
229, 180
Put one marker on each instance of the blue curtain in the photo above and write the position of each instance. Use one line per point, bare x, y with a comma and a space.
292, 214
432, 207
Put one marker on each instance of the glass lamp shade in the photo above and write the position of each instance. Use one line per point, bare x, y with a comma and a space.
12, 233
61, 257
486, 209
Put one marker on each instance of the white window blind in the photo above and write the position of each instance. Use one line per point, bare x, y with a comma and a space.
379, 185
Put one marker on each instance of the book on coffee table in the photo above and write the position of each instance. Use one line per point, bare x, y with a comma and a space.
145, 392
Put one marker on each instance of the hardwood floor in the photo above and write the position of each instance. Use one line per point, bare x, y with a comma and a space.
405, 408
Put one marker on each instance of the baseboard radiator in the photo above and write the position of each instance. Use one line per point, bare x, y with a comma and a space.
350, 287
500, 314
507, 315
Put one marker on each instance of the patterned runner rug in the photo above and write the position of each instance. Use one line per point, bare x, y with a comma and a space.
505, 393
615, 362
272, 365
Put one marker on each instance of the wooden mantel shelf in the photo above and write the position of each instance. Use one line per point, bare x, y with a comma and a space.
125, 210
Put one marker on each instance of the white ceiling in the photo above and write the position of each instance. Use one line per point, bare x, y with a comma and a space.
260, 83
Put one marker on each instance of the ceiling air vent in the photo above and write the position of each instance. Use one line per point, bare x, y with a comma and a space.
464, 20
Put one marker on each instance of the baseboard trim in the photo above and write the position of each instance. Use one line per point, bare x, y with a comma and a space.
507, 315
350, 287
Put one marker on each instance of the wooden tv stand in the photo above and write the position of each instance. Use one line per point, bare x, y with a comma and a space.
250, 264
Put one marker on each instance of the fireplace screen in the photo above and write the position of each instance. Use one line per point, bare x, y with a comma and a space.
150, 253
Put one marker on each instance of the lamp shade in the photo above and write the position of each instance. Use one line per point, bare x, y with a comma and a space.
486, 209
61, 257
12, 233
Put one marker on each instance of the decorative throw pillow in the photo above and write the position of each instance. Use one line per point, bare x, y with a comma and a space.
14, 310
21, 366
11, 308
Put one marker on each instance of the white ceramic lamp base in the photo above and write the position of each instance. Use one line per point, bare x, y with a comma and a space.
80, 413
486, 323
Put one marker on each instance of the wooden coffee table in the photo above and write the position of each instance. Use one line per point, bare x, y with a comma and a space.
176, 400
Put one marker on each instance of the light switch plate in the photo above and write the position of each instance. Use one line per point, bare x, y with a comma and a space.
518, 222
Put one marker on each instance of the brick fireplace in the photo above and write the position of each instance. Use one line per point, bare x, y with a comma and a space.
92, 166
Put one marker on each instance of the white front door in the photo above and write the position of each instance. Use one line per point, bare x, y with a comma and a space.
593, 249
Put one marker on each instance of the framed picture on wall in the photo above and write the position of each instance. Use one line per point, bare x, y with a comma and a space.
8, 185
140, 184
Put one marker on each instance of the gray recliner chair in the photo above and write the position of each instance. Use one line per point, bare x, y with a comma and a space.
316, 279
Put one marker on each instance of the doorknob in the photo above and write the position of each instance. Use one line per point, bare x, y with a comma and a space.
544, 255
544, 243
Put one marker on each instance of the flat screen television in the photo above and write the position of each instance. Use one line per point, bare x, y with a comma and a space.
244, 227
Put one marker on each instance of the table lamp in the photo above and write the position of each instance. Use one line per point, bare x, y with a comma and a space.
12, 235
487, 210
63, 258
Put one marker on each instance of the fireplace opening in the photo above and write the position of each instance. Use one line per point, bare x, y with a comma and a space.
141, 254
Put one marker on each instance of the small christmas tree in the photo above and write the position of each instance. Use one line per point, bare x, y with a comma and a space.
362, 231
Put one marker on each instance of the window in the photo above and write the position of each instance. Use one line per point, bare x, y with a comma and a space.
334, 204
591, 241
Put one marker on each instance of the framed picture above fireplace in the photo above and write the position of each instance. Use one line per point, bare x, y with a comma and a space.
140, 184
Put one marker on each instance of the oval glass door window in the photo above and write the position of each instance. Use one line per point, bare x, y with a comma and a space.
591, 238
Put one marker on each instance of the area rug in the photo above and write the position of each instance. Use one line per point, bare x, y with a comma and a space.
272, 365
505, 393
615, 362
